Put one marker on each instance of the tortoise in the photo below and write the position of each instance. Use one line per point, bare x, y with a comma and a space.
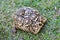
28, 19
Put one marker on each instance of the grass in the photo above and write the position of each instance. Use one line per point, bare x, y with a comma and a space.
48, 8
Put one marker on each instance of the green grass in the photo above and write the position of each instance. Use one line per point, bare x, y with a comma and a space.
47, 8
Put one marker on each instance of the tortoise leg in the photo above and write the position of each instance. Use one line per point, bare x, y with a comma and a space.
14, 30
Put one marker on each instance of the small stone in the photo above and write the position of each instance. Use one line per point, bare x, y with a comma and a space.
21, 39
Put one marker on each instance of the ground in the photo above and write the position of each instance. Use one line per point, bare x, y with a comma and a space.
48, 8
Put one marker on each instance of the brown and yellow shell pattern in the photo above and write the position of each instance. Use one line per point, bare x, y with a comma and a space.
28, 19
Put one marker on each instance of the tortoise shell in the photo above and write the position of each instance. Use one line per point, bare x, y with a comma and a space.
28, 19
